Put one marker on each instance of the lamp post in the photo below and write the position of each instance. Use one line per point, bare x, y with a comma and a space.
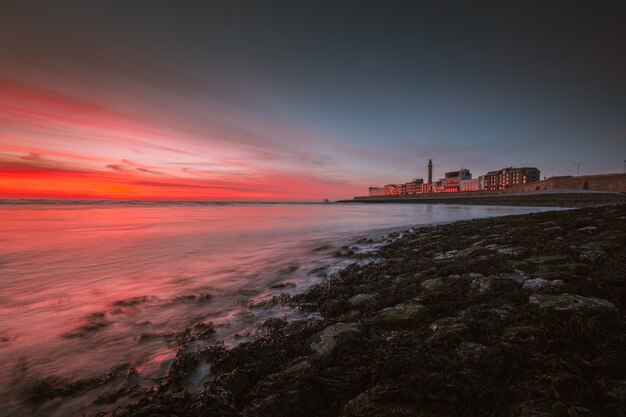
578, 164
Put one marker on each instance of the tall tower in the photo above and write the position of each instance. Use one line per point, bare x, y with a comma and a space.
430, 171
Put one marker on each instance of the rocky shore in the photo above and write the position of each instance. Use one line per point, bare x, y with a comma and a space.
510, 316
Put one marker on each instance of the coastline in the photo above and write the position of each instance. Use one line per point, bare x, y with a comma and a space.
514, 315
555, 198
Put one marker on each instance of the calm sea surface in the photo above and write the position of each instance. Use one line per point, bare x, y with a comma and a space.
87, 288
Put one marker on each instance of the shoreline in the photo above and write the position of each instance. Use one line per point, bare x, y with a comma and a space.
574, 198
461, 318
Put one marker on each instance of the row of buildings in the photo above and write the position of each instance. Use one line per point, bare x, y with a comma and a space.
461, 181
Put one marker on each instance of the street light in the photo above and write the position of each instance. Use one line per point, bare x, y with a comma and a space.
578, 164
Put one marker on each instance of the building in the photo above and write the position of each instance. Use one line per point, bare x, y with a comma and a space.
414, 187
376, 191
391, 189
509, 177
461, 181
491, 181
469, 185
453, 179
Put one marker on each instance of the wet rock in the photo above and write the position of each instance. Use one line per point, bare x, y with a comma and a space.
191, 298
196, 332
511, 251
449, 330
592, 256
344, 252
95, 322
322, 248
574, 303
553, 229
542, 285
361, 299
321, 272
401, 316
287, 284
548, 260
518, 276
445, 255
133, 301
408, 278
372, 403
587, 229
494, 286
273, 301
433, 284
334, 336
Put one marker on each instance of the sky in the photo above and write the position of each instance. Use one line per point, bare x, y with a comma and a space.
301, 100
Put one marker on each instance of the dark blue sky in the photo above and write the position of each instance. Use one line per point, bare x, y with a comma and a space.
349, 94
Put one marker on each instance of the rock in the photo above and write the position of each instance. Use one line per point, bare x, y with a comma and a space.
333, 336
408, 278
403, 316
474, 275
449, 330
587, 229
371, 404
573, 303
540, 284
360, 299
518, 276
433, 284
511, 251
548, 223
593, 256
548, 260
553, 229
493, 285
280, 285
445, 255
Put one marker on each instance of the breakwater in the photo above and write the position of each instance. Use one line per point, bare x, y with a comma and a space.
561, 198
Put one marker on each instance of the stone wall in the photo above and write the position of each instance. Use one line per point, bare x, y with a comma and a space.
602, 182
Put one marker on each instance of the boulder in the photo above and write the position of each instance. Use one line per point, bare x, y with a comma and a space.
401, 316
361, 299
540, 285
433, 284
409, 278
494, 286
592, 256
336, 335
449, 330
573, 303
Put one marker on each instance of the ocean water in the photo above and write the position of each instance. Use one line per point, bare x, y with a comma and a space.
90, 288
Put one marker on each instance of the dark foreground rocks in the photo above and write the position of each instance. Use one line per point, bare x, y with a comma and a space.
512, 316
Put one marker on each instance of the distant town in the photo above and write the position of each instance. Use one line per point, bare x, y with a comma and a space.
460, 181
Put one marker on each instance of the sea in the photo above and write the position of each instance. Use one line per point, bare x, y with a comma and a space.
90, 290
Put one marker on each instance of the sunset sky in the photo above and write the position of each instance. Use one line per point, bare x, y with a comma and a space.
261, 100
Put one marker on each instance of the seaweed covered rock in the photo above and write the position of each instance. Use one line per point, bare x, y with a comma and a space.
574, 304
401, 316
483, 288
334, 336
542, 285
449, 330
